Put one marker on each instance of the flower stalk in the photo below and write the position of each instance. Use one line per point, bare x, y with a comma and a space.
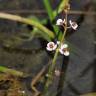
52, 66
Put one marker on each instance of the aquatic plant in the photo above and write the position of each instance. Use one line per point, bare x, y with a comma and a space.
60, 45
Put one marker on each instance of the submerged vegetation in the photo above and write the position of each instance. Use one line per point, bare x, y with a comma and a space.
10, 86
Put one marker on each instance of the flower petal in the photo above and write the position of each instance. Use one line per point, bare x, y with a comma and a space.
74, 25
55, 46
66, 53
59, 22
51, 46
58, 42
48, 45
49, 49
64, 46
60, 50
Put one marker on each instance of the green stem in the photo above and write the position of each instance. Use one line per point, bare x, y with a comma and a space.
27, 21
51, 67
12, 72
65, 27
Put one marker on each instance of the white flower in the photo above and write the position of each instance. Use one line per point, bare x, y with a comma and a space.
51, 46
58, 42
64, 45
57, 72
59, 22
64, 50
66, 53
74, 25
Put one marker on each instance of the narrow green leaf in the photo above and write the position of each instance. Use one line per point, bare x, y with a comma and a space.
49, 9
51, 15
27, 21
11, 71
89, 94
60, 7
37, 33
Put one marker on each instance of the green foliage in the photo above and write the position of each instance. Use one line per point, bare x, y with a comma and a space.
39, 28
89, 94
52, 15
36, 32
60, 7
49, 9
12, 71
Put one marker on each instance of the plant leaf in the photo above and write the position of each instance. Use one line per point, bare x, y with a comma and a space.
60, 7
28, 21
12, 71
49, 9
89, 94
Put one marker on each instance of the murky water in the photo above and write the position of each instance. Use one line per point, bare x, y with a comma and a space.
30, 56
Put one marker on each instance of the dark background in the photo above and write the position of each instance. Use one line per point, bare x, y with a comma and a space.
80, 75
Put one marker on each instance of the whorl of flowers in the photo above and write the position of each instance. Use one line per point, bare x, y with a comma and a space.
63, 48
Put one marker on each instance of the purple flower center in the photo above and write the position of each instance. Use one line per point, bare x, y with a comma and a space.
64, 49
73, 24
51, 45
